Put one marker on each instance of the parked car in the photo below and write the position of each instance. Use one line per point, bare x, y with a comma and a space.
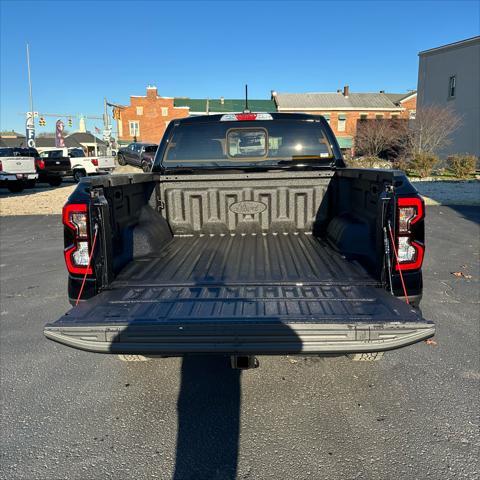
138, 154
82, 166
17, 169
249, 238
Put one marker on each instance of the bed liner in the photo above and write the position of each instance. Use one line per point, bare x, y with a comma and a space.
236, 259
204, 294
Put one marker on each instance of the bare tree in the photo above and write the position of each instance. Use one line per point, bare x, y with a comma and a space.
432, 129
376, 136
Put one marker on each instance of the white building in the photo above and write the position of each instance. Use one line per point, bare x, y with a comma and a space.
450, 76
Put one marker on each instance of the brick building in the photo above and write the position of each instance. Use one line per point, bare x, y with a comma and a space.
147, 117
344, 109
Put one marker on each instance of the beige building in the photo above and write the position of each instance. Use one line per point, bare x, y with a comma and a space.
450, 76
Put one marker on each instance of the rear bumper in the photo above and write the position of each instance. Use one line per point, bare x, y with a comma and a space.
253, 339
13, 177
50, 174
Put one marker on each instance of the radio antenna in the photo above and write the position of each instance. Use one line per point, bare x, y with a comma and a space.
246, 109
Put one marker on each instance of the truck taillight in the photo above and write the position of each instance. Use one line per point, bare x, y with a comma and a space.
40, 163
1, 166
410, 247
245, 117
75, 219
95, 161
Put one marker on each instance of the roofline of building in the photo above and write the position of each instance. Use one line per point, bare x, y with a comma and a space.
408, 96
341, 93
145, 96
448, 46
342, 109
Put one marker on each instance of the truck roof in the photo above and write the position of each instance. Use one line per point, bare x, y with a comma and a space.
274, 115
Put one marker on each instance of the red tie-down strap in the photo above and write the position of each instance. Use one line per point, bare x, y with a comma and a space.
398, 263
88, 266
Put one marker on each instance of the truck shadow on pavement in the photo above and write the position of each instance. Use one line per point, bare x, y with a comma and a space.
209, 400
208, 419
208, 414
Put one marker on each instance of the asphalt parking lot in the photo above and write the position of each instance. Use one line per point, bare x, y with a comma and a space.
75, 415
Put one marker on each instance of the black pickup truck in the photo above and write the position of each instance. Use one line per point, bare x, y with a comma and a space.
249, 237
52, 166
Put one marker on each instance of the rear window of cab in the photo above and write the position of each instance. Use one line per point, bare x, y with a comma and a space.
230, 142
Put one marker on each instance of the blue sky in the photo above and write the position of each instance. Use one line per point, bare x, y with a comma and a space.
83, 51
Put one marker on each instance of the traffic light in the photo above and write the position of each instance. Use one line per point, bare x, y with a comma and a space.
42, 122
70, 122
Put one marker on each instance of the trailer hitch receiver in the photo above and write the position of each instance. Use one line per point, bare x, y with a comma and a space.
244, 362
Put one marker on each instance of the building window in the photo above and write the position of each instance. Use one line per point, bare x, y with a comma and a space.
412, 114
164, 111
379, 116
326, 116
363, 116
342, 122
139, 110
395, 115
134, 129
452, 86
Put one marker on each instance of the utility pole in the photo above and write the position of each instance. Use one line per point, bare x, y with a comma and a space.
117, 107
107, 131
29, 78
30, 124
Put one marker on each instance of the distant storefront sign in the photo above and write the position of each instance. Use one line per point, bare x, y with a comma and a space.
30, 130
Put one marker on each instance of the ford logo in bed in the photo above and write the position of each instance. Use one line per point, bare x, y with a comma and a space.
248, 207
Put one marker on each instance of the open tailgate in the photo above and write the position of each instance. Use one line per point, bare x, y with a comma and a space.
253, 319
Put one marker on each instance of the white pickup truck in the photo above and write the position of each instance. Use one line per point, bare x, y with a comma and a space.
81, 166
16, 170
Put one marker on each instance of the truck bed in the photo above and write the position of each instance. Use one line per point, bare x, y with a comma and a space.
235, 259
245, 294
